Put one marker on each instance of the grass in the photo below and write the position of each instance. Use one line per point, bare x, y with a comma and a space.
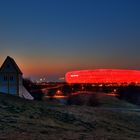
110, 101
33, 120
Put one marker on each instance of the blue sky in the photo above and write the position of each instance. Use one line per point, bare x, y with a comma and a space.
51, 37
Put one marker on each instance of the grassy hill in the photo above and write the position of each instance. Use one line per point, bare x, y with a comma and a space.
36, 120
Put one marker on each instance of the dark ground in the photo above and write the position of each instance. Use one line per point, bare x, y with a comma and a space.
37, 120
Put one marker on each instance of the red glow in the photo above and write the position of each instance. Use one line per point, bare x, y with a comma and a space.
103, 76
57, 97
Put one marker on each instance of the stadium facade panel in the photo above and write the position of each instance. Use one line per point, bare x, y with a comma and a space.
103, 76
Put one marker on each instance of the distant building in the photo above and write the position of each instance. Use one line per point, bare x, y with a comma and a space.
11, 79
104, 76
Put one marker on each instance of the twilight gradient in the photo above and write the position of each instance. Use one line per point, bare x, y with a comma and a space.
50, 37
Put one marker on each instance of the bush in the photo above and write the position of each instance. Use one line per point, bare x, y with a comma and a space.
84, 99
29, 85
130, 93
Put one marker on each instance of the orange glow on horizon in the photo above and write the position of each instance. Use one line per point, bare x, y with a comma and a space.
31, 68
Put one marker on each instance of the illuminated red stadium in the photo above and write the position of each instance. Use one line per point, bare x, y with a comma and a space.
103, 76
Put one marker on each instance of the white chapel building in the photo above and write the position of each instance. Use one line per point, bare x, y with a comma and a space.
11, 79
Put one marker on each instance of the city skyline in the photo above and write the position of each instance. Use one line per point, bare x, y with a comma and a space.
49, 38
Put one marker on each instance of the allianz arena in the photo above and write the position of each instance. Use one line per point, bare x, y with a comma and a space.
103, 76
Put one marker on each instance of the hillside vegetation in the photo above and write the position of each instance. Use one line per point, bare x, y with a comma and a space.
37, 120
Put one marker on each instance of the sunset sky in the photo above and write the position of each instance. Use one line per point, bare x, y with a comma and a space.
50, 37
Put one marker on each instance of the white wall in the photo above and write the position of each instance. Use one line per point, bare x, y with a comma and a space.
8, 84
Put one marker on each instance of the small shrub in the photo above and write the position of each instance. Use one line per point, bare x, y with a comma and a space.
84, 99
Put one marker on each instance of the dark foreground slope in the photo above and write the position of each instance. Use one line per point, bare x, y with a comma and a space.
32, 120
